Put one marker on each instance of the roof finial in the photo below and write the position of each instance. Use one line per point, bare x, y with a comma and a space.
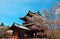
38, 13
29, 11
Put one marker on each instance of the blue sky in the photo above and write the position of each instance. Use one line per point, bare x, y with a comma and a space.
11, 10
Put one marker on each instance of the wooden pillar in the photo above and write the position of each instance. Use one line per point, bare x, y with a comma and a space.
15, 35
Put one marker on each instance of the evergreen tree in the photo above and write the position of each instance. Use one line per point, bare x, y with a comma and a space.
2, 24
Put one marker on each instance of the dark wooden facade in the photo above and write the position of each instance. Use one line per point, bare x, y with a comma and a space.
20, 33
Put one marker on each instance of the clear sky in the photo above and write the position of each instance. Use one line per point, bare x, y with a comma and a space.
11, 10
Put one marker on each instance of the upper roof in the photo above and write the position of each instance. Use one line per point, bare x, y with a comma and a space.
30, 15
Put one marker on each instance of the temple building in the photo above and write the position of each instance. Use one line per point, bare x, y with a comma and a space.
33, 27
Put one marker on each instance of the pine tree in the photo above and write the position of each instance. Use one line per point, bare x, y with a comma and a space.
2, 24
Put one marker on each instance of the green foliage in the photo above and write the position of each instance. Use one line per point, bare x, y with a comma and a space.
2, 24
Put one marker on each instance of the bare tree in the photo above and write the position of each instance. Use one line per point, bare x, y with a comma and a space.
50, 18
4, 32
